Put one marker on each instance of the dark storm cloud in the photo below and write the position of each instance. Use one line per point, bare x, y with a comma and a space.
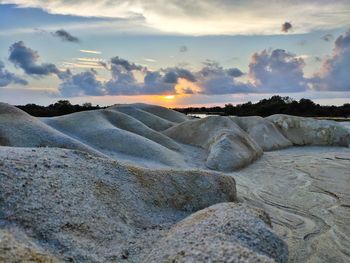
125, 64
65, 36
172, 75
7, 78
234, 72
286, 26
27, 59
327, 37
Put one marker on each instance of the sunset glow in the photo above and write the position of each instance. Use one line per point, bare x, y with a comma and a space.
180, 53
169, 97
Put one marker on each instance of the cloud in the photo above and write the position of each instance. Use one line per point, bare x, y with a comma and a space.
334, 73
81, 84
214, 79
150, 60
187, 91
172, 75
124, 65
65, 36
327, 37
27, 58
208, 17
90, 51
183, 49
286, 26
7, 77
270, 71
123, 80
277, 71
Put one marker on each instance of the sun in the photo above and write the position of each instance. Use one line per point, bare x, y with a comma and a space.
169, 97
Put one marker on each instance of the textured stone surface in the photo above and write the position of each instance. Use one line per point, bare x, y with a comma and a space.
309, 131
306, 192
93, 209
229, 147
264, 132
224, 232
16, 247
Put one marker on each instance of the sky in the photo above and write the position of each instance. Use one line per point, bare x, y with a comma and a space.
174, 53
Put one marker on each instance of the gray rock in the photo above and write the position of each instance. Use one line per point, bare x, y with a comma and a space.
309, 131
94, 209
17, 247
226, 232
229, 147
263, 131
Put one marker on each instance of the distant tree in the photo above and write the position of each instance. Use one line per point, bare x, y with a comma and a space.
275, 105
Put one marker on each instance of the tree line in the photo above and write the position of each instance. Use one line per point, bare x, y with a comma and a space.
61, 107
275, 105
265, 107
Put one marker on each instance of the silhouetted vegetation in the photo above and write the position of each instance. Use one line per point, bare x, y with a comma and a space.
61, 107
275, 105
265, 107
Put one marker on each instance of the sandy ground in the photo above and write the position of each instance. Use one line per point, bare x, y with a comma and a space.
306, 191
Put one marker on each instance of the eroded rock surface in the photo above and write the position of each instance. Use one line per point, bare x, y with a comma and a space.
229, 147
16, 246
306, 192
309, 131
264, 132
224, 232
94, 209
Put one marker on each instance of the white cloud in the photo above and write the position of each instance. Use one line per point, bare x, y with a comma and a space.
208, 17
90, 51
277, 71
334, 73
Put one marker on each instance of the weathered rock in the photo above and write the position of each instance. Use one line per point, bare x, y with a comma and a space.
309, 131
226, 232
152, 121
16, 247
94, 209
19, 129
162, 112
263, 131
115, 134
229, 147
306, 192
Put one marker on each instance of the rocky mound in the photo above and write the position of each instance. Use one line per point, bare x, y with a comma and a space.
153, 136
263, 131
224, 232
87, 209
164, 113
19, 129
113, 133
152, 121
229, 147
309, 131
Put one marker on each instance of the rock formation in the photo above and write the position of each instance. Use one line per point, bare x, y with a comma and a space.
229, 147
142, 183
264, 132
308, 131
224, 232
94, 209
